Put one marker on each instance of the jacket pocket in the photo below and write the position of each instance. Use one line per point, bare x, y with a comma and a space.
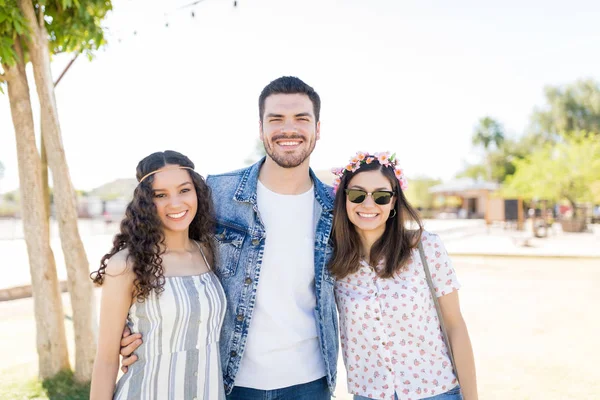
229, 241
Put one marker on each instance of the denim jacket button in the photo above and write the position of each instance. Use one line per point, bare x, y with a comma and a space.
248, 281
233, 354
240, 317
255, 242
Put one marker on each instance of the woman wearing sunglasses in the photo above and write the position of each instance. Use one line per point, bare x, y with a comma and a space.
393, 333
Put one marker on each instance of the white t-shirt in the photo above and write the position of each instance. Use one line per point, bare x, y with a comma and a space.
390, 333
282, 348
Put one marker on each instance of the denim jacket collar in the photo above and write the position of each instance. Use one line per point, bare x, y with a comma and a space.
246, 190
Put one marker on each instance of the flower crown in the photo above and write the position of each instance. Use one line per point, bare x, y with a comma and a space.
383, 158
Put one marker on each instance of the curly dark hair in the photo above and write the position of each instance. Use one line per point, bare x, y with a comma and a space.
141, 231
394, 246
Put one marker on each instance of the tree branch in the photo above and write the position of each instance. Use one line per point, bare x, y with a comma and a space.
66, 69
40, 14
18, 46
28, 11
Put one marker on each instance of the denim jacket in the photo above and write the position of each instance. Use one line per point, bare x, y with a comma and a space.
240, 242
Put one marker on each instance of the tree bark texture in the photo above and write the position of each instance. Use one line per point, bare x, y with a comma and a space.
78, 269
49, 316
45, 184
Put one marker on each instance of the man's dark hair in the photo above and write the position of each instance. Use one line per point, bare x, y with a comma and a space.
289, 85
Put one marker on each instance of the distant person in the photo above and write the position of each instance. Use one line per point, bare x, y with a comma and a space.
158, 278
392, 339
107, 218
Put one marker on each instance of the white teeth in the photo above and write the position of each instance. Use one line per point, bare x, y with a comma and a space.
367, 215
179, 215
288, 143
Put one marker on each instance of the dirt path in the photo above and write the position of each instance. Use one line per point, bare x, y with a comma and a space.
533, 322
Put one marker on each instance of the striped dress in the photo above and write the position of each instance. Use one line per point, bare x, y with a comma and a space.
179, 357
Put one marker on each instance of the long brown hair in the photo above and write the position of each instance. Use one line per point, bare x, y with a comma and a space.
394, 246
142, 233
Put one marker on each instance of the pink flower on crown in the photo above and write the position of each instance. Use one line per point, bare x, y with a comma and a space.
369, 160
336, 184
349, 167
383, 158
361, 155
403, 183
398, 173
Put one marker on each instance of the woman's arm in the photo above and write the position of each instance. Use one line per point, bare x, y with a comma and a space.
117, 292
461, 344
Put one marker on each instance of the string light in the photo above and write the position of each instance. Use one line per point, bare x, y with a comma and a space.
166, 15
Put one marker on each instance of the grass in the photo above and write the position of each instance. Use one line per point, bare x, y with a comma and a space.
62, 387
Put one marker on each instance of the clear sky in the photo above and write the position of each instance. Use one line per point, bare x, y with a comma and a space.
407, 76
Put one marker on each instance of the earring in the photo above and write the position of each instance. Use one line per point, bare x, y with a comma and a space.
393, 215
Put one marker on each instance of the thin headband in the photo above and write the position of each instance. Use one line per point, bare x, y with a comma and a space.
164, 169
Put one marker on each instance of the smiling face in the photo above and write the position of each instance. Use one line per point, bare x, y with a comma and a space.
288, 130
175, 198
368, 217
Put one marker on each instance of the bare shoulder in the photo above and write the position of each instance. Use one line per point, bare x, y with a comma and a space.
118, 265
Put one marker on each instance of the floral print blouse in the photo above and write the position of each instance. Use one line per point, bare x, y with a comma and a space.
390, 334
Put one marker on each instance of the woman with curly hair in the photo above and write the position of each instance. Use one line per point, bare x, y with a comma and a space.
157, 277
402, 333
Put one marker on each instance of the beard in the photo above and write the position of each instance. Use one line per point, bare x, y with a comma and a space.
286, 160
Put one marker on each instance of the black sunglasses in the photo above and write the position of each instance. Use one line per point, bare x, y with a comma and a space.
380, 197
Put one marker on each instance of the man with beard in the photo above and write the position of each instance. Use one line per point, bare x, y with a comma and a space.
280, 336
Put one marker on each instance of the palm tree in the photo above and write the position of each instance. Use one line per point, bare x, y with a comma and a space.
488, 133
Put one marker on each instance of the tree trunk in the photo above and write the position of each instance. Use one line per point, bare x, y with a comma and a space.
574, 206
78, 269
50, 329
45, 185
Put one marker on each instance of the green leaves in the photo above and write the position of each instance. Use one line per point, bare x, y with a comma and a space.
566, 170
488, 132
72, 25
570, 108
76, 25
12, 25
7, 52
